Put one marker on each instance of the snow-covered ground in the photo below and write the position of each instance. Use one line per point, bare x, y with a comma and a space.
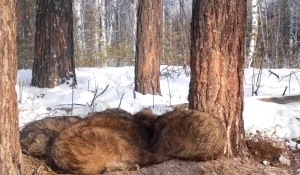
270, 119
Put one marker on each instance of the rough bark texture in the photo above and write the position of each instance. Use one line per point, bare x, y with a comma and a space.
148, 47
217, 60
25, 10
10, 150
54, 49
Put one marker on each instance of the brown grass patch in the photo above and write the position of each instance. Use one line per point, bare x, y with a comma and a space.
222, 166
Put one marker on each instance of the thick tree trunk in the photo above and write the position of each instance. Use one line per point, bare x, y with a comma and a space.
10, 150
148, 47
217, 65
54, 50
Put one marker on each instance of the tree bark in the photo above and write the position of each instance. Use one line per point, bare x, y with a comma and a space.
54, 50
10, 150
254, 31
78, 29
217, 65
148, 47
25, 28
103, 39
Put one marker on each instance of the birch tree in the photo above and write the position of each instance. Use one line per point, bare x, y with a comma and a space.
103, 39
254, 31
79, 28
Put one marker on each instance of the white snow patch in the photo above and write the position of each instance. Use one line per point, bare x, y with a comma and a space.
284, 160
273, 120
265, 162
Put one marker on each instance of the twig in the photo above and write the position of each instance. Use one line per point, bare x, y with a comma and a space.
33, 99
290, 77
170, 93
89, 84
257, 83
96, 96
253, 82
102, 91
21, 91
121, 100
296, 77
134, 94
72, 100
171, 72
71, 104
284, 91
153, 101
290, 83
283, 77
271, 72
164, 69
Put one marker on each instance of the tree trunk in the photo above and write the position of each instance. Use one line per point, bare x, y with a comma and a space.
148, 47
217, 65
96, 30
25, 11
54, 50
103, 40
254, 31
134, 7
10, 150
79, 29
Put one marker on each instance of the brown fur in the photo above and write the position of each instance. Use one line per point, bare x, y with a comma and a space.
100, 144
36, 137
114, 112
146, 118
188, 134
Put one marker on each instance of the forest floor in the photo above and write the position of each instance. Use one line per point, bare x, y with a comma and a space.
263, 157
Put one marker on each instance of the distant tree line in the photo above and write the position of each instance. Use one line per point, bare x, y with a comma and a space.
272, 39
105, 32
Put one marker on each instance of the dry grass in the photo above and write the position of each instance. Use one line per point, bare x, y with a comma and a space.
251, 164
222, 166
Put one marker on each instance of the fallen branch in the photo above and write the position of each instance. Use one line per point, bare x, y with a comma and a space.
282, 100
273, 73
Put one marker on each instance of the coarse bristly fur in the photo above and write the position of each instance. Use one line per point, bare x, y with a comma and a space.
114, 112
36, 137
99, 144
146, 118
188, 134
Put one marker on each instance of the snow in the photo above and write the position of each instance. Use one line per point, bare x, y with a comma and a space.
265, 162
273, 120
284, 160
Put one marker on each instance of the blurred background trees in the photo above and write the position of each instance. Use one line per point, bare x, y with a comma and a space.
105, 32
277, 27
